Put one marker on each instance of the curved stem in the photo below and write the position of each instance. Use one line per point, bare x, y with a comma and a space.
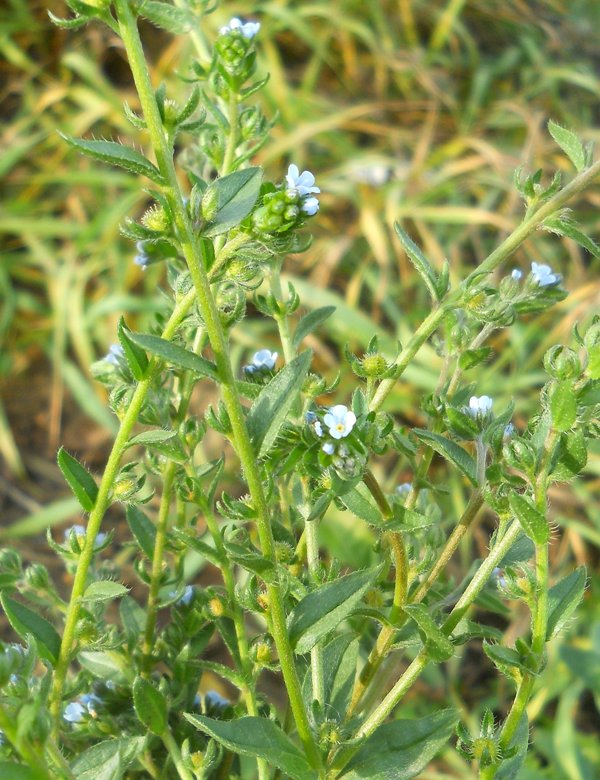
97, 514
196, 259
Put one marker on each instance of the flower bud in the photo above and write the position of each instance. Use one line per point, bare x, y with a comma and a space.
210, 204
562, 362
264, 653
156, 219
37, 577
374, 365
10, 561
216, 607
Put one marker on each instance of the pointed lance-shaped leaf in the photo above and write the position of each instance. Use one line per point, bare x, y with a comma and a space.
142, 529
175, 355
569, 143
532, 521
311, 322
80, 480
269, 410
420, 262
26, 623
116, 154
259, 738
563, 599
233, 197
137, 360
150, 705
450, 451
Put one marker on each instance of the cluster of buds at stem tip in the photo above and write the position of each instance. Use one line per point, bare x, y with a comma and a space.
235, 52
336, 424
286, 207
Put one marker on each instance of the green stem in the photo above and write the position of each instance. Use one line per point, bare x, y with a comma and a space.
510, 244
97, 514
157, 566
316, 654
387, 706
194, 254
8, 724
176, 757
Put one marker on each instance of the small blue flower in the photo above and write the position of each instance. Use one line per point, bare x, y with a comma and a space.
74, 712
248, 29
214, 699
310, 206
141, 258
404, 489
187, 596
508, 432
340, 421
90, 701
328, 448
115, 354
516, 274
480, 407
263, 360
310, 417
318, 429
302, 183
78, 530
543, 275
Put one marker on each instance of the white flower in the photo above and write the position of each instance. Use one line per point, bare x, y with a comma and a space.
74, 712
115, 353
544, 275
302, 183
318, 428
248, 29
310, 206
78, 530
478, 407
328, 448
516, 274
508, 431
340, 421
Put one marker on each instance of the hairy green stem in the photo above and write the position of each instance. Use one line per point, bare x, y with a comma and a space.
176, 757
103, 500
194, 254
391, 700
510, 244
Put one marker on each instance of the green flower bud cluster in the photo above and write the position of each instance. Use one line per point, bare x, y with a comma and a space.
280, 212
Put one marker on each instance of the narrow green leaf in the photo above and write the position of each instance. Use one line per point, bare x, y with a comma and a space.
259, 738
311, 322
531, 519
137, 359
402, 749
116, 154
175, 355
142, 529
437, 644
25, 621
474, 357
563, 406
269, 410
572, 456
564, 226
340, 657
104, 590
450, 451
167, 17
360, 502
107, 665
504, 658
165, 442
569, 143
420, 262
234, 197
563, 599
319, 613
202, 548
80, 480
150, 705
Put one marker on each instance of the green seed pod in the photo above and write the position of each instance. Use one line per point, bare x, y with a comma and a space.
562, 362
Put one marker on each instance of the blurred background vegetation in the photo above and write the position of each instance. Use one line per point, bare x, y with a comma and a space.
410, 110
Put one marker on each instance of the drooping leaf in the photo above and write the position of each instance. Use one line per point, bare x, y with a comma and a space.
311, 322
137, 360
175, 355
270, 408
532, 521
569, 143
322, 610
402, 749
437, 644
150, 705
420, 262
450, 451
104, 590
166, 16
25, 621
564, 226
234, 197
80, 480
259, 738
116, 154
142, 529
563, 600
